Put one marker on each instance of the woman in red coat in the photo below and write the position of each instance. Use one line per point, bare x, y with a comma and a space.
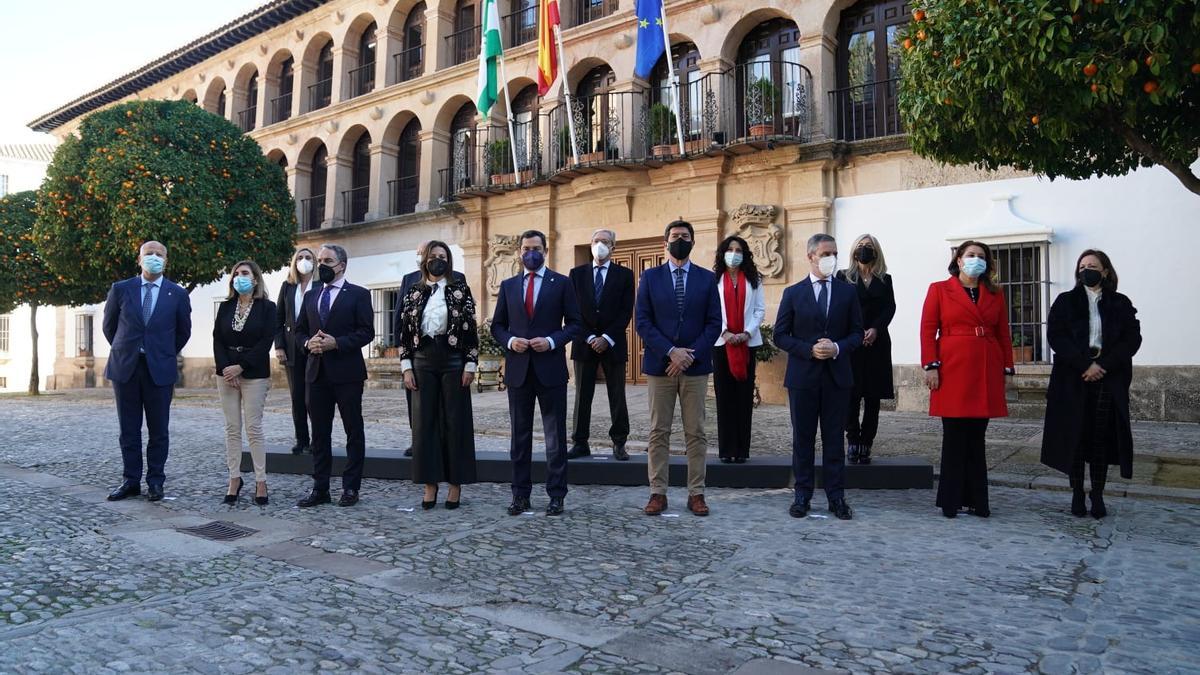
965, 354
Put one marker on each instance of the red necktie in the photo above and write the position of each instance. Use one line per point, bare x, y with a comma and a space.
529, 297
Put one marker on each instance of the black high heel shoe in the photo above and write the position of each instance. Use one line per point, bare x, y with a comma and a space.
430, 504
233, 498
263, 500
451, 505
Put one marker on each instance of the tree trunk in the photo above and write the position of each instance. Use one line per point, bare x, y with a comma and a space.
1151, 152
33, 371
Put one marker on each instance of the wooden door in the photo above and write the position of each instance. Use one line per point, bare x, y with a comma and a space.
638, 256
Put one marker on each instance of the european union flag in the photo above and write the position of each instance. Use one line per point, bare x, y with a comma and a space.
650, 42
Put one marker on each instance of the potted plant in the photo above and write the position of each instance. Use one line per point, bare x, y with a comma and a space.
1022, 352
499, 154
764, 354
567, 158
761, 100
491, 359
663, 130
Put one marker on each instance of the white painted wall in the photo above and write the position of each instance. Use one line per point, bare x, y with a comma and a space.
22, 174
17, 362
1146, 222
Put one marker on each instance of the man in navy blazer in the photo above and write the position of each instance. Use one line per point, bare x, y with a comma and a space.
819, 325
679, 320
536, 317
335, 323
147, 320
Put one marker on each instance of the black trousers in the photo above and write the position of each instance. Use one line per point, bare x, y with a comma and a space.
963, 481
1098, 428
863, 433
323, 396
735, 406
585, 390
137, 398
825, 404
297, 388
553, 403
443, 428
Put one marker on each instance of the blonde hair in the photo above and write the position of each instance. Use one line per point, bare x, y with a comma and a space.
878, 266
293, 273
260, 286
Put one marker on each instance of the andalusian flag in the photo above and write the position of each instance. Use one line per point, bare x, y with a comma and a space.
547, 62
489, 58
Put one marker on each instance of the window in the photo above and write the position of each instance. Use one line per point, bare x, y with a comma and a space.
525, 128
520, 27
248, 116
772, 86
281, 105
406, 189
600, 118
686, 59
362, 78
312, 209
320, 93
4, 318
84, 326
590, 10
868, 70
462, 148
410, 62
384, 302
464, 42
221, 104
357, 197
1024, 278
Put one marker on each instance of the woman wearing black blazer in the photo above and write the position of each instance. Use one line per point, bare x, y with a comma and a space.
242, 337
291, 298
872, 363
439, 352
1094, 333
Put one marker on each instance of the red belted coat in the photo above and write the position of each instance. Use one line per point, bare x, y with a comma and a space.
973, 344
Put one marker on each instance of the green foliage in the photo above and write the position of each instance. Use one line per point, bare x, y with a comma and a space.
499, 157
26, 280
767, 350
663, 127
762, 98
487, 342
164, 170
1060, 87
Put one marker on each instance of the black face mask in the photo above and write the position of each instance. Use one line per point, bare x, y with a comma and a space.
326, 273
680, 249
865, 255
436, 267
1090, 278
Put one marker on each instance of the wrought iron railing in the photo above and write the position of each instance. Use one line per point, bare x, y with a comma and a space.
320, 94
281, 107
247, 118
591, 10
520, 27
866, 111
463, 45
362, 79
409, 63
355, 203
403, 194
312, 213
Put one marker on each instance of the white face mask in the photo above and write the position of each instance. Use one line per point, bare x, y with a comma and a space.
733, 259
600, 250
304, 266
827, 265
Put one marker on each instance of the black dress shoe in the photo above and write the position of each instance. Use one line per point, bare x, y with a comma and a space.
408, 451
799, 509
297, 449
840, 509
579, 451
727, 460
127, 489
739, 460
349, 498
154, 493
982, 513
1098, 509
950, 513
314, 498
619, 453
555, 507
518, 506
864, 453
233, 498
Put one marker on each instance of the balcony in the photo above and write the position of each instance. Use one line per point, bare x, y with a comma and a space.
320, 95
281, 108
362, 79
355, 202
749, 107
247, 118
520, 27
591, 10
403, 195
410, 63
312, 213
463, 45
866, 111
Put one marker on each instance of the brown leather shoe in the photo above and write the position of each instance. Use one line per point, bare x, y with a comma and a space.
656, 505
697, 506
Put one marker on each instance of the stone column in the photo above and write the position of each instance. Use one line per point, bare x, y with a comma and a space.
389, 44
722, 117
383, 169
439, 24
435, 156
298, 180
338, 86
339, 179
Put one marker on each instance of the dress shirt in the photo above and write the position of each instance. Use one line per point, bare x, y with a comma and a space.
337, 290
604, 276
155, 288
301, 289
816, 284
538, 276
1095, 328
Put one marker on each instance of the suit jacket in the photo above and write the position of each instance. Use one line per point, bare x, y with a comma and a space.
661, 326
753, 313
406, 284
800, 323
285, 319
250, 347
163, 337
973, 343
555, 315
610, 318
351, 322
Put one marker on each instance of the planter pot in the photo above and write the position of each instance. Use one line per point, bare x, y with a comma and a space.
589, 157
1023, 354
663, 150
695, 147
513, 178
767, 129
391, 352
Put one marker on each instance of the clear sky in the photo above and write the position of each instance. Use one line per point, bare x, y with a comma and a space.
54, 52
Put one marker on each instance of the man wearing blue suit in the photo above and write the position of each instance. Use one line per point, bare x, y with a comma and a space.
819, 325
679, 320
536, 317
147, 320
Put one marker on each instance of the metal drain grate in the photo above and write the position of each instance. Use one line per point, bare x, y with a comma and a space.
218, 530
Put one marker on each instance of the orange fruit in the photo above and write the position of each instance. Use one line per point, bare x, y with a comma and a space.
1095, 87
919, 14
908, 43
1196, 68
1091, 69
921, 34
1034, 120
1150, 87
1149, 61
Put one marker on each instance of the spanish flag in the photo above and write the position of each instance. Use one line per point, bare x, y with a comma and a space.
547, 61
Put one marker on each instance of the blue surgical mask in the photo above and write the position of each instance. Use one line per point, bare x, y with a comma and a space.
533, 260
974, 267
243, 285
152, 263
733, 259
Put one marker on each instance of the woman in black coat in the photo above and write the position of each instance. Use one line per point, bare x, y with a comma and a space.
291, 298
871, 363
1094, 333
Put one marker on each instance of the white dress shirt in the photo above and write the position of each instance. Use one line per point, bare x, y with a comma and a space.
301, 289
538, 277
604, 277
1095, 328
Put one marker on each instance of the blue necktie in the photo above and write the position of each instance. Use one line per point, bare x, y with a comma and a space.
599, 284
323, 306
823, 302
147, 302
679, 290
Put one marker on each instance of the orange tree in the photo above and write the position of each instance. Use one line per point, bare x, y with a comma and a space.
1069, 88
26, 280
164, 170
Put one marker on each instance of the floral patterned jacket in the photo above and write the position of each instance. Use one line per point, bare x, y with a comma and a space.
461, 332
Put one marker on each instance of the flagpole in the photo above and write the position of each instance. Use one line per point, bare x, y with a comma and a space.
566, 89
674, 82
512, 137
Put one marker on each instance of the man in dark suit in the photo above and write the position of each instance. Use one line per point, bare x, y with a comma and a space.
679, 320
335, 323
604, 290
397, 319
147, 320
819, 325
536, 316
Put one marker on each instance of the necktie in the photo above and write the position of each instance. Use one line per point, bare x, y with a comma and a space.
529, 295
679, 290
599, 284
823, 301
147, 302
323, 306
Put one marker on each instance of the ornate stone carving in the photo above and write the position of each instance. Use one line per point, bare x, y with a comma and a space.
622, 41
710, 14
502, 261
230, 63
756, 224
292, 138
339, 16
376, 113
427, 97
920, 173
299, 35
331, 126
264, 48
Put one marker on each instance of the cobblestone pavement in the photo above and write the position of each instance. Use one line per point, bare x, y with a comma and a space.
92, 586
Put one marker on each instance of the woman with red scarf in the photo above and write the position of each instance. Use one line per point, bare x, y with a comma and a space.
743, 306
